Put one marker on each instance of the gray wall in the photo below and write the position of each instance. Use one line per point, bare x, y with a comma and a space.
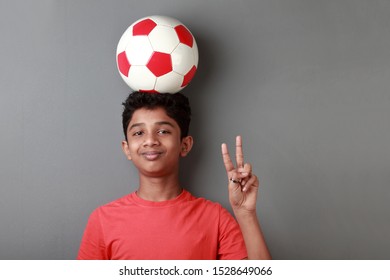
305, 82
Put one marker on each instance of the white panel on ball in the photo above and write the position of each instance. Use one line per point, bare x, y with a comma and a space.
163, 39
125, 39
164, 20
196, 53
138, 50
182, 59
140, 78
169, 83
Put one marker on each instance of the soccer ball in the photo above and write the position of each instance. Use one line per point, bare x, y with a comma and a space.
157, 54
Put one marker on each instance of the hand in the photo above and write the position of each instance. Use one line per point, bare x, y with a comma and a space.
243, 185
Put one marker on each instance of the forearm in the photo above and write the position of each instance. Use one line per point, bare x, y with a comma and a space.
253, 236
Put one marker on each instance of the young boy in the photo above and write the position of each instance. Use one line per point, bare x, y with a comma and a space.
161, 220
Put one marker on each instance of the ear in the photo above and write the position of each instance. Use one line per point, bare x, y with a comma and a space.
126, 150
186, 145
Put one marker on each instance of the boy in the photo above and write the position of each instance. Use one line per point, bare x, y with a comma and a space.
161, 220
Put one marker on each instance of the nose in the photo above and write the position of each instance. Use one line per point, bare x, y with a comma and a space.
151, 140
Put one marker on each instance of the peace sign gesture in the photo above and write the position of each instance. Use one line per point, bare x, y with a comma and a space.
243, 185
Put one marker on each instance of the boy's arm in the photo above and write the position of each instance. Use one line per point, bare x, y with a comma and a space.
243, 188
253, 236
92, 245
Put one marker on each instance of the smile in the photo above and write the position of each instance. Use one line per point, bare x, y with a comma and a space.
152, 155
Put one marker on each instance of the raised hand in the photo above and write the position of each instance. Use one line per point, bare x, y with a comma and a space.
243, 185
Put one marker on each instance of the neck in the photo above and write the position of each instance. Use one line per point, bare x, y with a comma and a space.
159, 189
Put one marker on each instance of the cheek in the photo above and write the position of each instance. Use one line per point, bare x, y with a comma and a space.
133, 147
174, 146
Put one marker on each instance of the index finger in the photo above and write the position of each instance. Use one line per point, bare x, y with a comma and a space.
239, 153
226, 158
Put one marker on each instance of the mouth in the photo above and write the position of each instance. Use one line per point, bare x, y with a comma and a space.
151, 155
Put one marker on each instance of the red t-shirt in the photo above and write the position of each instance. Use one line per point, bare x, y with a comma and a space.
182, 228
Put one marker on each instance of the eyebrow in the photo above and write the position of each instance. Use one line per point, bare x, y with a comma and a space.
156, 123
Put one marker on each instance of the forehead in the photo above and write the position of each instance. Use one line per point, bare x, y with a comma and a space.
151, 116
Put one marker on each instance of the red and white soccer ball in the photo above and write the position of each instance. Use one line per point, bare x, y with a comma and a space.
157, 54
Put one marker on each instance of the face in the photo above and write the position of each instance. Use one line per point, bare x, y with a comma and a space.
154, 144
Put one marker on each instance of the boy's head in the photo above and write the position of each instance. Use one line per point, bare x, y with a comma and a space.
176, 107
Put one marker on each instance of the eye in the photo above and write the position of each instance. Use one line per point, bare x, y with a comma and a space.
137, 133
163, 131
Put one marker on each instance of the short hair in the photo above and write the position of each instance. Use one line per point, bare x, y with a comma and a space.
175, 105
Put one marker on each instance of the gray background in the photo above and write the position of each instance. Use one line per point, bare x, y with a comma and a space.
305, 82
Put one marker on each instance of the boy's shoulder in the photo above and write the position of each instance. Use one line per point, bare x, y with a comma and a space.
121, 201
205, 201
117, 203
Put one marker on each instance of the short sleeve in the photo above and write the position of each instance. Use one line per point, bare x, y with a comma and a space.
92, 245
231, 241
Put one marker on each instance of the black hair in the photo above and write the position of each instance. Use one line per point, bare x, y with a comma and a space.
175, 105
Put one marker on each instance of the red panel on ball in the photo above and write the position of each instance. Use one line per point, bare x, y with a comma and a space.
123, 64
160, 63
188, 77
184, 35
144, 27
